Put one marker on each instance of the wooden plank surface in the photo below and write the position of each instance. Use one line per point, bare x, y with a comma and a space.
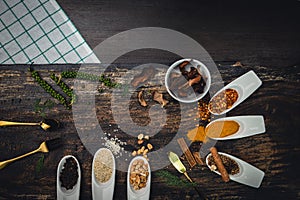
274, 152
263, 35
254, 32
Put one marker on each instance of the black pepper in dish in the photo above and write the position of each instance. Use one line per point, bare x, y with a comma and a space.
69, 174
230, 165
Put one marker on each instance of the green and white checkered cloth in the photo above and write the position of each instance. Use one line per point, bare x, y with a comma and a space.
39, 31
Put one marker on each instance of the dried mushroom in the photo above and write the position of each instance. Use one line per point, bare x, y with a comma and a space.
143, 77
141, 98
159, 98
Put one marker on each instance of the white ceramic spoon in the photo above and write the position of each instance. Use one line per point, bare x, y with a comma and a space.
245, 85
249, 125
103, 191
144, 193
248, 175
62, 193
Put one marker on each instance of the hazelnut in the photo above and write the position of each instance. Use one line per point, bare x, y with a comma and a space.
140, 141
134, 153
140, 136
146, 137
149, 146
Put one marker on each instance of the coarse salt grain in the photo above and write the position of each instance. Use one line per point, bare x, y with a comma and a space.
114, 144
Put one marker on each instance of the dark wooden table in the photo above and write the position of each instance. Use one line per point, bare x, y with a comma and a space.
274, 152
253, 33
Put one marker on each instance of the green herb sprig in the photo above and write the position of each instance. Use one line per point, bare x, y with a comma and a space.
40, 164
48, 88
172, 180
41, 108
91, 77
65, 88
108, 82
79, 75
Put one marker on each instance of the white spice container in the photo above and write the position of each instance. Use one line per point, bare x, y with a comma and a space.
103, 175
143, 193
62, 193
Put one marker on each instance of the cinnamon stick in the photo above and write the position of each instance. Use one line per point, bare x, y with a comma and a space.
188, 154
219, 164
198, 158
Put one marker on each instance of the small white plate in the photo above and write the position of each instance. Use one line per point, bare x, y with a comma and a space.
249, 125
204, 73
103, 191
245, 85
144, 193
248, 175
62, 193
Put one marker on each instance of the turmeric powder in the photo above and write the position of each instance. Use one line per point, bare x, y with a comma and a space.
221, 129
216, 129
197, 134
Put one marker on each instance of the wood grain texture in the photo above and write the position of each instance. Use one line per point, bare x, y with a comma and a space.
262, 35
254, 32
274, 152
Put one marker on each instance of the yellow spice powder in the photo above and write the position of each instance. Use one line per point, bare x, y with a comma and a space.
197, 134
221, 129
216, 129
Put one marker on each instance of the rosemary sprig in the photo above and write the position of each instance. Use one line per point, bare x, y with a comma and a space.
172, 180
41, 108
40, 164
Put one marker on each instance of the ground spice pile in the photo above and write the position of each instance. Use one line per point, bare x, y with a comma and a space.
197, 134
69, 174
222, 129
103, 166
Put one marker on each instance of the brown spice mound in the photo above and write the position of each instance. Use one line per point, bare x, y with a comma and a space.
69, 174
230, 165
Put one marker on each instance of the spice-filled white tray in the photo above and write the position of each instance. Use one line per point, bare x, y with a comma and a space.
103, 175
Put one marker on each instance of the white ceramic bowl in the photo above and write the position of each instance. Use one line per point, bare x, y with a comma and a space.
194, 96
